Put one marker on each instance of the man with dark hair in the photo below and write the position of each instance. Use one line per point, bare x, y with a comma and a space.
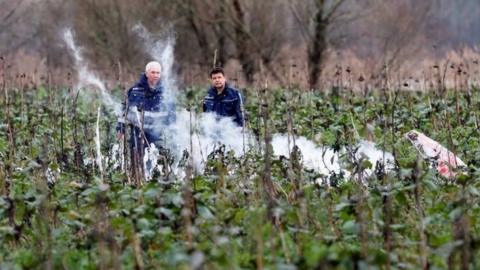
223, 99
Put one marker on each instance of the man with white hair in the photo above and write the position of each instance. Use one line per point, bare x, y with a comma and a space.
146, 112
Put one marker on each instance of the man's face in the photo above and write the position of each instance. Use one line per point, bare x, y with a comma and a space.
153, 75
218, 81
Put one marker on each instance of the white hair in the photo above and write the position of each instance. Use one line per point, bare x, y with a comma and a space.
152, 64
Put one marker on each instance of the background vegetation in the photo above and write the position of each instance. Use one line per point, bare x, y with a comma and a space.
257, 211
252, 39
334, 71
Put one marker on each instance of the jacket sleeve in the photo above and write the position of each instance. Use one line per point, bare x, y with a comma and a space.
204, 106
239, 119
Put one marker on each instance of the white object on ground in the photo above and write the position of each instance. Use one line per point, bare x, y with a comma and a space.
428, 148
325, 160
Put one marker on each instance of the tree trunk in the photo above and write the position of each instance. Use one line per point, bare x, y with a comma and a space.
243, 44
318, 46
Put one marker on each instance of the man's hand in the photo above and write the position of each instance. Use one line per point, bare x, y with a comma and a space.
120, 136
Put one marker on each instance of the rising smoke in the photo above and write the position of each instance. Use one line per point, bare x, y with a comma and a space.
161, 50
201, 134
86, 79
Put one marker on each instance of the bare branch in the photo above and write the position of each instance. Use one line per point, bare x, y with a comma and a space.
302, 24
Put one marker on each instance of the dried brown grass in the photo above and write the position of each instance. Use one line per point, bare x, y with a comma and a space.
342, 68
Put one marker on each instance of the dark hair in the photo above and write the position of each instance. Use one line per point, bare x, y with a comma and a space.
217, 70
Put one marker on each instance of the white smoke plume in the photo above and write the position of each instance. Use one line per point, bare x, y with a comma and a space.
203, 133
86, 78
161, 50
198, 134
321, 159
326, 161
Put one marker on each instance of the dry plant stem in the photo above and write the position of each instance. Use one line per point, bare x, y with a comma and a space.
387, 231
312, 114
330, 216
466, 246
286, 253
78, 148
267, 184
3, 180
242, 108
461, 233
449, 128
189, 201
457, 99
137, 248
44, 226
11, 142
98, 144
422, 245
259, 118
477, 123
290, 140
138, 151
465, 230
143, 141
434, 117
214, 58
259, 248
443, 80
221, 171
394, 139
3, 83
387, 189
136, 174
101, 226
124, 148
87, 138
361, 209
61, 132
294, 166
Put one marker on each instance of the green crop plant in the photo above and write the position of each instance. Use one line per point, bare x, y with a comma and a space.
254, 211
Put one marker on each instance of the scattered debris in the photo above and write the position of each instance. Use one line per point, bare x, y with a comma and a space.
326, 161
444, 160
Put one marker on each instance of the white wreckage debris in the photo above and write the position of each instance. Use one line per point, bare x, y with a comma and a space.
327, 161
150, 162
323, 160
52, 174
445, 162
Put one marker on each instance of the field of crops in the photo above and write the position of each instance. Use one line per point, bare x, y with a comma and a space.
256, 211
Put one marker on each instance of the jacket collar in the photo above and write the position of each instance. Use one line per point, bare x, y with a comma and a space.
143, 81
213, 91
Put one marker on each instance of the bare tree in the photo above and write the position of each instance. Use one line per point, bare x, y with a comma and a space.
9, 14
48, 37
259, 35
317, 19
401, 34
16, 27
204, 22
249, 31
105, 29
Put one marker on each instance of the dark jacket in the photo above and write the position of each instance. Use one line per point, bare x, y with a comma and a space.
228, 104
147, 105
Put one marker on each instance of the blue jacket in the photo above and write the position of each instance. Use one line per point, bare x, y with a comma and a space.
150, 102
229, 103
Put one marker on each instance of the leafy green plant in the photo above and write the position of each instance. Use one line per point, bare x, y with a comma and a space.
254, 211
